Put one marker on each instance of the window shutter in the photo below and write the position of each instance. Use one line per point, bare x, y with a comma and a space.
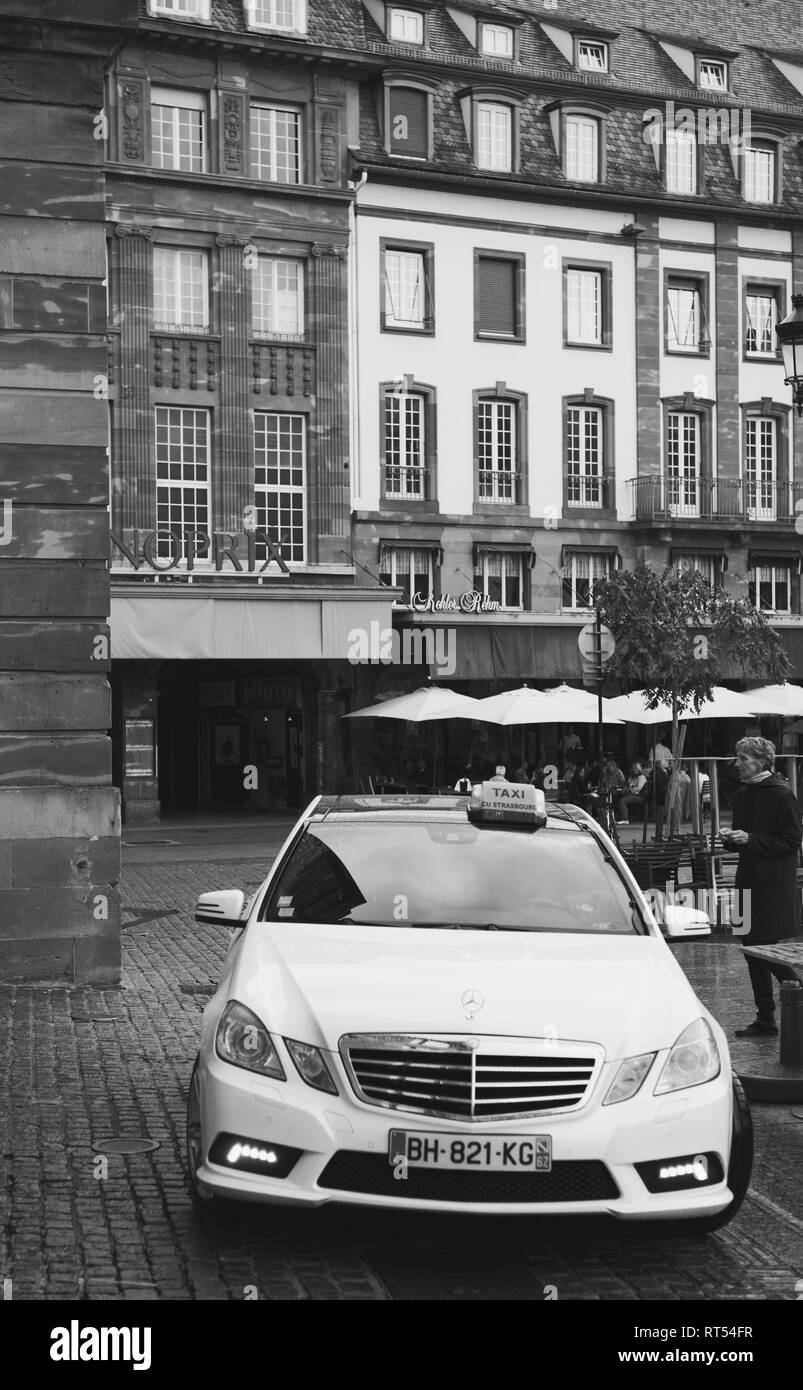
408, 114
497, 296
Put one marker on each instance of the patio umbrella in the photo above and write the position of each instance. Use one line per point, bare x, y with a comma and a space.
522, 706
421, 706
429, 702
783, 699
581, 706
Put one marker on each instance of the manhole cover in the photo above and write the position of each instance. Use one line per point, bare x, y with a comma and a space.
131, 1144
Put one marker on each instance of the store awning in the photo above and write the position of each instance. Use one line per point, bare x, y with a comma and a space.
172, 627
496, 651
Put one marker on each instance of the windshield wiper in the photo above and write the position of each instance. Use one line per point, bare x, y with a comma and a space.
468, 926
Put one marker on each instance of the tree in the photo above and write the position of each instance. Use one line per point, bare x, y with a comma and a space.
677, 637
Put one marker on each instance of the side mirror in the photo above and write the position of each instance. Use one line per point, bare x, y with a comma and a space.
225, 908
681, 921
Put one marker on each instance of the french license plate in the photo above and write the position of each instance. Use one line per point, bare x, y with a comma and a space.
493, 1153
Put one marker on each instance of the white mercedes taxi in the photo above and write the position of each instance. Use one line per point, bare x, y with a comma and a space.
462, 1004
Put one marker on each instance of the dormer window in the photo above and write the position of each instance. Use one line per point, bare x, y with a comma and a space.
591, 55
406, 26
408, 120
580, 136
761, 169
181, 9
712, 74
494, 145
281, 16
681, 160
495, 41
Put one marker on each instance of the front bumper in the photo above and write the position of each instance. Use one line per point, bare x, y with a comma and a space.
342, 1133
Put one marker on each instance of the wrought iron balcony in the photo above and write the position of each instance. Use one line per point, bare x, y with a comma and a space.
665, 497
407, 483
588, 492
497, 487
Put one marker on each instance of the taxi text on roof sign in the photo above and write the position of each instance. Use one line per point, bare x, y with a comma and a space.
513, 803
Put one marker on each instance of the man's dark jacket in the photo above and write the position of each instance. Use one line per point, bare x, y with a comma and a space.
769, 812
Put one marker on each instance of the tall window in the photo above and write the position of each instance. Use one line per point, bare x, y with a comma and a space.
584, 456
178, 130
499, 296
284, 15
182, 471
681, 161
583, 569
494, 136
592, 56
683, 463
280, 481
686, 322
407, 289
405, 457
406, 25
496, 41
760, 456
496, 451
409, 570
760, 173
582, 149
276, 143
278, 296
584, 306
500, 577
180, 288
761, 318
771, 587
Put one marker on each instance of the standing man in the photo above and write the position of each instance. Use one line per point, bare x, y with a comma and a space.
767, 830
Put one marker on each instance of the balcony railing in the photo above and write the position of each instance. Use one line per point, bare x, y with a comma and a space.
496, 486
407, 483
185, 362
589, 492
665, 498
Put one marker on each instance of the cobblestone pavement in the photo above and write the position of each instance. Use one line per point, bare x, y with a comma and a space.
77, 1065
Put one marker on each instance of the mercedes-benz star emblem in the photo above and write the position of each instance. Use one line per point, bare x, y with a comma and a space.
472, 1001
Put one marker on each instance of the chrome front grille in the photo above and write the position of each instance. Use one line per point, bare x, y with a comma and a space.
462, 1078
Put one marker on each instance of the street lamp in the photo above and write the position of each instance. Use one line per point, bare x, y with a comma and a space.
790, 341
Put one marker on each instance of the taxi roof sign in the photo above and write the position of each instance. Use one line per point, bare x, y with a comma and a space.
514, 804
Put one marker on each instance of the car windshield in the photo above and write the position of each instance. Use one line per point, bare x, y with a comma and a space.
396, 873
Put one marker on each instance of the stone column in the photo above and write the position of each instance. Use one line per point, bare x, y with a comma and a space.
233, 478
133, 470
329, 437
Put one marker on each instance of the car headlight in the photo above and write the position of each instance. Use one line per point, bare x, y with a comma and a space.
311, 1065
245, 1042
628, 1078
693, 1060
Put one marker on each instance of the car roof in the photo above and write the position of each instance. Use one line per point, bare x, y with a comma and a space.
423, 806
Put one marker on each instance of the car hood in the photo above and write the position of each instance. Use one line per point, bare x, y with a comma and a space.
314, 983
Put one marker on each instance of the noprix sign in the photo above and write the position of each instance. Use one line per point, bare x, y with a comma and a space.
171, 548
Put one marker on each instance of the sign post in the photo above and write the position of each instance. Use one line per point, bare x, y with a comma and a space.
596, 644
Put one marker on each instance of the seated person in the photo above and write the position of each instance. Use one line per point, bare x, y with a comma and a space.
635, 793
